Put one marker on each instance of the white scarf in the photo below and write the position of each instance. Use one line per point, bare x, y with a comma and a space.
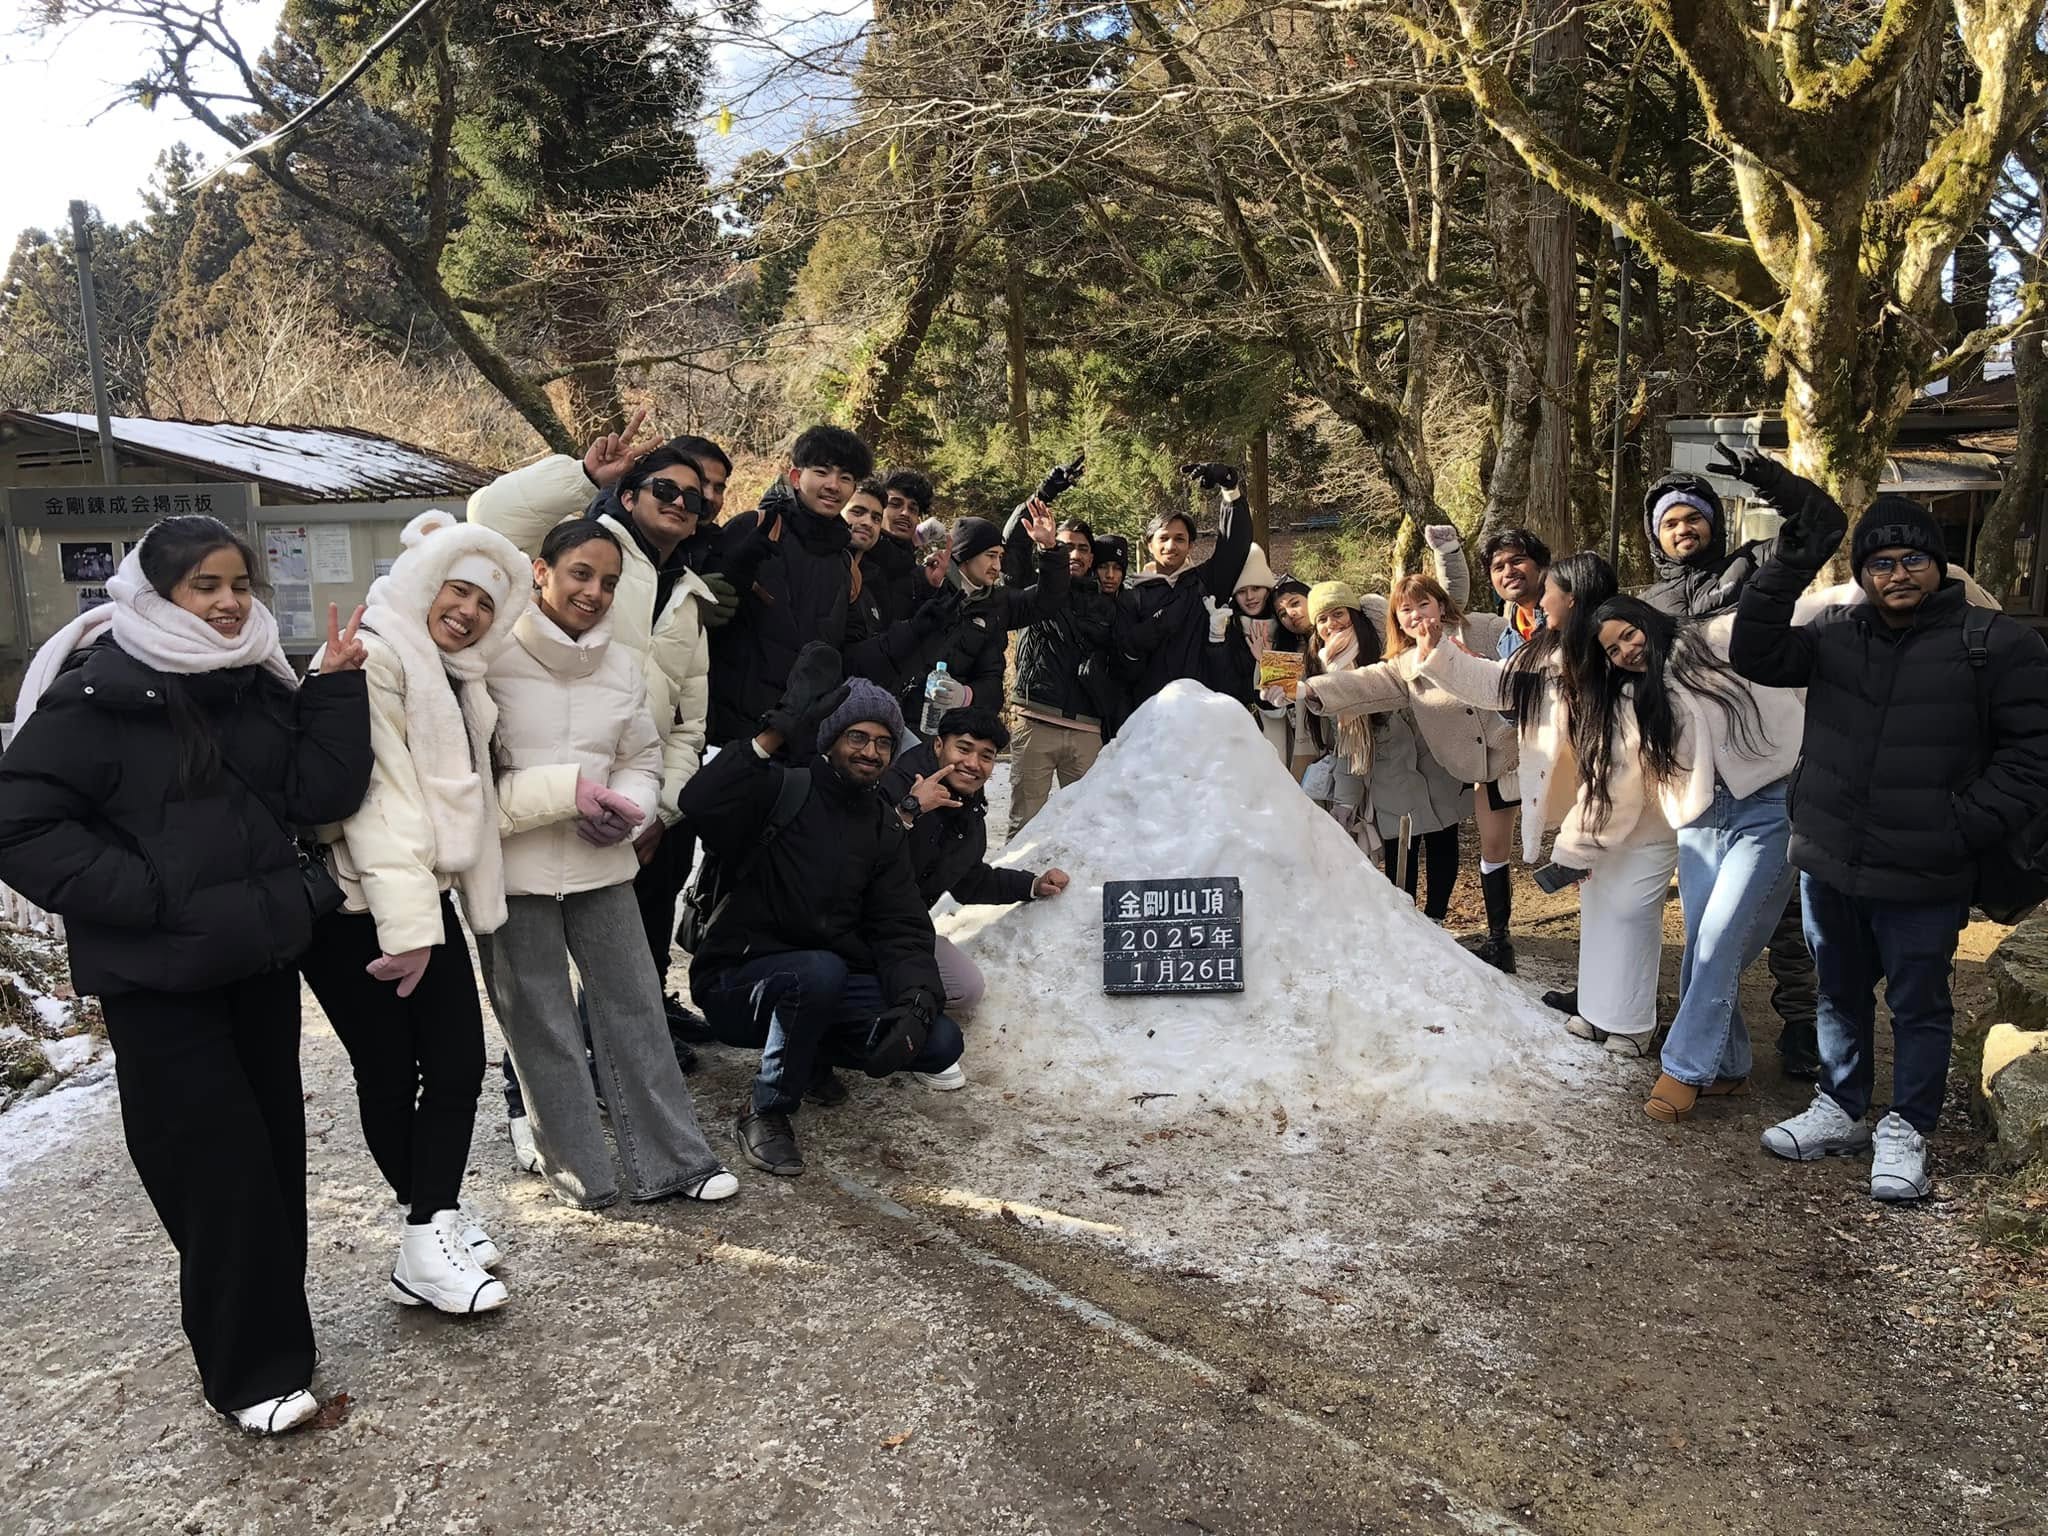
1353, 736
158, 633
447, 739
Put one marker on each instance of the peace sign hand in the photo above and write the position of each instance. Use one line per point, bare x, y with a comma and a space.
344, 653
611, 455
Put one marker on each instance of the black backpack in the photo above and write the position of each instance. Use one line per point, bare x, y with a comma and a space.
712, 890
2012, 878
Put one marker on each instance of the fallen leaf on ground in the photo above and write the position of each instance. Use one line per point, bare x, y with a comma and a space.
894, 1441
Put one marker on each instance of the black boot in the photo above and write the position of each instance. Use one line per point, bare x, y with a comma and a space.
768, 1141
686, 1026
1499, 950
826, 1090
1563, 1002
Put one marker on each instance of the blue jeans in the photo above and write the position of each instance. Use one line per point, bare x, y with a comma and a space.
806, 1010
1733, 878
1912, 946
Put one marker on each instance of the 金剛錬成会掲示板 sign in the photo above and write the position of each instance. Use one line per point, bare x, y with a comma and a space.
1173, 935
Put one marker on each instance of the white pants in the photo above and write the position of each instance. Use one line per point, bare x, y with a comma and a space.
1621, 931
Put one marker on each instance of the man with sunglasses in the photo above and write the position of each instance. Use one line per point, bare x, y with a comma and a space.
822, 954
1924, 750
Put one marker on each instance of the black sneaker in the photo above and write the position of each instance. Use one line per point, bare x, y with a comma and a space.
768, 1141
686, 1025
826, 1090
1498, 951
1563, 1002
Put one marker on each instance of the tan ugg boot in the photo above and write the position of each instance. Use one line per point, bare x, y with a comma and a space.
1670, 1101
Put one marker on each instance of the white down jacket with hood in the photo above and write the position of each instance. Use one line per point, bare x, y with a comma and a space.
569, 708
673, 647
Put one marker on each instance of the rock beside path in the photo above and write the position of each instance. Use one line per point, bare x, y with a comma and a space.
2015, 1093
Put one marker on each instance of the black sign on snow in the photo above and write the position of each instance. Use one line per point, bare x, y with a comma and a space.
1173, 935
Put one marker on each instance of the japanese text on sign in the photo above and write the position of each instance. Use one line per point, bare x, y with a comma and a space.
1183, 935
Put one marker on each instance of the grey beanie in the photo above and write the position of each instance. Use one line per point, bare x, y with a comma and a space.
864, 701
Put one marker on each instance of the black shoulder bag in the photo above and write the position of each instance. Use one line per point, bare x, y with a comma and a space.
711, 892
2012, 878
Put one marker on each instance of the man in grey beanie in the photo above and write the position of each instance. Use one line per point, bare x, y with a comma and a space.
816, 947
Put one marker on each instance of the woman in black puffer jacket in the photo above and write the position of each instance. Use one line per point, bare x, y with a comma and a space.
164, 760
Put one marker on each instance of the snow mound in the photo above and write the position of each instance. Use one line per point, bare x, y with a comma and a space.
1352, 998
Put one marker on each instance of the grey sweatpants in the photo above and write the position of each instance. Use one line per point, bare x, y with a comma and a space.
661, 1147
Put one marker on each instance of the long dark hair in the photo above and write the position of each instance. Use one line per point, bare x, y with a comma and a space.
1674, 656
169, 552
563, 537
1313, 664
1589, 580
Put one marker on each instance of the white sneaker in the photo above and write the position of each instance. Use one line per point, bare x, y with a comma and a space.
1631, 1047
524, 1151
1822, 1129
275, 1415
435, 1268
721, 1185
1898, 1165
952, 1080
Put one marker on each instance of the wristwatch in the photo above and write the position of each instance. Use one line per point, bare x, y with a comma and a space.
909, 808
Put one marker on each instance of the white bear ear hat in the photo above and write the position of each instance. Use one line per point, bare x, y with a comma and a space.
439, 548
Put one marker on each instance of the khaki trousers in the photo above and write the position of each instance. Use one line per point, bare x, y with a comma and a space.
1039, 752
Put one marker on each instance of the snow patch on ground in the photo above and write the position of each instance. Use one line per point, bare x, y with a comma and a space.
1353, 999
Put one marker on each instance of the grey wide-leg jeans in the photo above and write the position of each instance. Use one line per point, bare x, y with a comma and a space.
661, 1147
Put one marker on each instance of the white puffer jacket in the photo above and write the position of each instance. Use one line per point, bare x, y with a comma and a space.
673, 647
568, 709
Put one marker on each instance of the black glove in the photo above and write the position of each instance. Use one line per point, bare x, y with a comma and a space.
741, 562
898, 1034
1814, 523
1555, 877
725, 601
1064, 477
935, 615
1212, 477
812, 692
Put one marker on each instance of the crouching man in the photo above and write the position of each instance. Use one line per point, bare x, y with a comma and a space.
937, 790
816, 947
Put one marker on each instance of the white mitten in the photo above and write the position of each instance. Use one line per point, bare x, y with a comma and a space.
1441, 537
1219, 619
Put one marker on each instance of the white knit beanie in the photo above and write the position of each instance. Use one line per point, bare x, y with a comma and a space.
440, 549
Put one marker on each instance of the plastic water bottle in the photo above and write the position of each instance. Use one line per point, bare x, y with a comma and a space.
940, 695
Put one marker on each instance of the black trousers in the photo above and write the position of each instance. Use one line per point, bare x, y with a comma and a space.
216, 1124
656, 887
419, 1060
1439, 850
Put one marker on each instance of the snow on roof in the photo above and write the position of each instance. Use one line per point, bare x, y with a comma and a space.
306, 463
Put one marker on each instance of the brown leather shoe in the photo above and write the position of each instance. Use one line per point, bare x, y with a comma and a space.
1670, 1101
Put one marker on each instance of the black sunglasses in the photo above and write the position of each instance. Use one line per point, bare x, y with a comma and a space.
668, 492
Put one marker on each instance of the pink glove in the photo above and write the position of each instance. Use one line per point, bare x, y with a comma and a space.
594, 802
405, 969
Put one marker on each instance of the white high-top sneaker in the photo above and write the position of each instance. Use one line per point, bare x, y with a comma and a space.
435, 1268
275, 1415
525, 1152
1822, 1129
1898, 1162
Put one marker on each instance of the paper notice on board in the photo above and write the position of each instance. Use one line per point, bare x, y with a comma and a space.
382, 567
292, 602
330, 554
284, 555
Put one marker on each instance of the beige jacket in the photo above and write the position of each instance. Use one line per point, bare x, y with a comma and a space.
568, 709
1473, 743
673, 646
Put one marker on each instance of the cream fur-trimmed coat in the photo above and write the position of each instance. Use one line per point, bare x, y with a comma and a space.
673, 647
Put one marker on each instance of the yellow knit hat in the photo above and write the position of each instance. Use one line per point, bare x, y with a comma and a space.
1326, 595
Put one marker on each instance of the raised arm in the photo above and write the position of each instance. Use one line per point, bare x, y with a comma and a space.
1379, 689
525, 503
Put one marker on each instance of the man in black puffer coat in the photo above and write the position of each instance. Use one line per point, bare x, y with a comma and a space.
790, 563
1685, 526
822, 952
1900, 791
938, 791
969, 624
1186, 627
